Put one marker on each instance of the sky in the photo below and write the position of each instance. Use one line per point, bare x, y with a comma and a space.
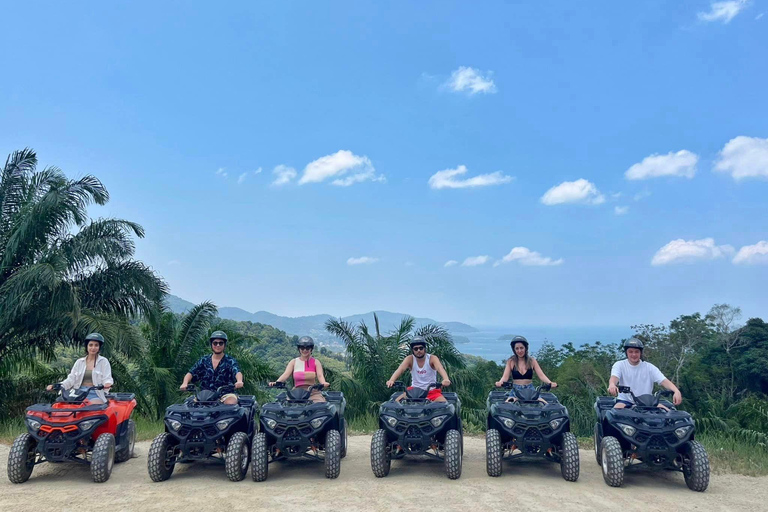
497, 163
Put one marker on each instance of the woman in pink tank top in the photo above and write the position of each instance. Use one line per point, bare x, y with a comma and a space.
305, 370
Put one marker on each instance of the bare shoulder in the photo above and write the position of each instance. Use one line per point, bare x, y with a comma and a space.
433, 360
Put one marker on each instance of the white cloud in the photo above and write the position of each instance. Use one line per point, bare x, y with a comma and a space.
530, 258
364, 260
241, 178
451, 263
474, 261
744, 157
283, 174
173, 263
257, 171
221, 172
470, 80
447, 179
689, 251
723, 11
620, 210
642, 195
683, 163
409, 264
759, 16
752, 254
353, 168
579, 191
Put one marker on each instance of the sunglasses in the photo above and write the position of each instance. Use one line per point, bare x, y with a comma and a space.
305, 348
419, 347
219, 343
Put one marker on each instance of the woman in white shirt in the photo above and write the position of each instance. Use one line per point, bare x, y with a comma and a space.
91, 370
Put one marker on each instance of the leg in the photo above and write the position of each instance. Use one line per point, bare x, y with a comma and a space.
440, 398
316, 396
400, 397
619, 405
229, 399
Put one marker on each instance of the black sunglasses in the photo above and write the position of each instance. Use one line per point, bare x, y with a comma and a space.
305, 348
419, 347
219, 343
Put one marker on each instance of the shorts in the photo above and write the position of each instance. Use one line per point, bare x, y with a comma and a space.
433, 394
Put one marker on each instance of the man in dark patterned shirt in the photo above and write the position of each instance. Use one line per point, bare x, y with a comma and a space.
218, 369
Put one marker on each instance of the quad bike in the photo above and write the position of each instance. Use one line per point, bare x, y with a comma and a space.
417, 426
74, 429
528, 427
648, 435
293, 426
202, 427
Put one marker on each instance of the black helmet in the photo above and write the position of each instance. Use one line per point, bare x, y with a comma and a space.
518, 339
94, 336
305, 341
633, 343
419, 340
218, 335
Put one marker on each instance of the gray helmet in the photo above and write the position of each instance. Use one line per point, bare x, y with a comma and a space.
518, 339
419, 340
305, 341
633, 343
218, 335
94, 336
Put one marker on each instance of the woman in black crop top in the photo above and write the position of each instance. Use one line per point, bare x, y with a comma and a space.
521, 366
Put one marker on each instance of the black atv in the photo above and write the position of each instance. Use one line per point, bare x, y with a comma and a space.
530, 428
293, 426
417, 426
648, 435
202, 427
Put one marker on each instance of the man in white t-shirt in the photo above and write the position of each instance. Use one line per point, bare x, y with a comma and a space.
639, 375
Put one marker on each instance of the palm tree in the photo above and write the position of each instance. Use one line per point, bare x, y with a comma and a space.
62, 274
173, 344
373, 357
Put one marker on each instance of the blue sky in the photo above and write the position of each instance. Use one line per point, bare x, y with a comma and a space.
177, 106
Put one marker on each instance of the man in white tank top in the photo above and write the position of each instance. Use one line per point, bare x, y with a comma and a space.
424, 369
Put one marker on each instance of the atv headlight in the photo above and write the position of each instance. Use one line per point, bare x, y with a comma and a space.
271, 424
682, 431
390, 420
627, 429
223, 424
508, 422
174, 424
437, 421
33, 424
556, 423
318, 421
88, 424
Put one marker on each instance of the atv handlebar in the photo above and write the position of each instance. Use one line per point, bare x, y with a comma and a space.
281, 385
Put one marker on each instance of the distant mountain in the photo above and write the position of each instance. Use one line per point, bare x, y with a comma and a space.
314, 325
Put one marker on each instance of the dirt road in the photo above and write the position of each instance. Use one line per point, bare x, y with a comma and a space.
412, 485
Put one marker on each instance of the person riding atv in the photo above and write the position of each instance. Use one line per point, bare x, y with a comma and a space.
421, 421
641, 429
214, 424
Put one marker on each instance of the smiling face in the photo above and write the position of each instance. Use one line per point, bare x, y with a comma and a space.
218, 345
520, 350
634, 355
93, 348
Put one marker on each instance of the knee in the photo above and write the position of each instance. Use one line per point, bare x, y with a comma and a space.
619, 405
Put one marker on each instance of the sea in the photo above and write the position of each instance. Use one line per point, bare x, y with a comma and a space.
487, 342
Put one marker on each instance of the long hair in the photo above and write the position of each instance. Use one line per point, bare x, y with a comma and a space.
526, 358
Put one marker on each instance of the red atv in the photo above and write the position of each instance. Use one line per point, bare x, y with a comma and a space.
74, 429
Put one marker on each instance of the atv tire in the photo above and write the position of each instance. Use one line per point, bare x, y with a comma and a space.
102, 458
381, 456
21, 459
569, 457
126, 452
332, 454
160, 462
612, 461
453, 454
259, 457
344, 439
493, 452
597, 440
237, 457
696, 466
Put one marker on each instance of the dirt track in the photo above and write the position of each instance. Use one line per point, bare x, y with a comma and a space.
412, 485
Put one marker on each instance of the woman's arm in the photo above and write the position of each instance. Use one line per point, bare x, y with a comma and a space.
286, 374
320, 373
541, 375
400, 369
505, 376
72, 378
